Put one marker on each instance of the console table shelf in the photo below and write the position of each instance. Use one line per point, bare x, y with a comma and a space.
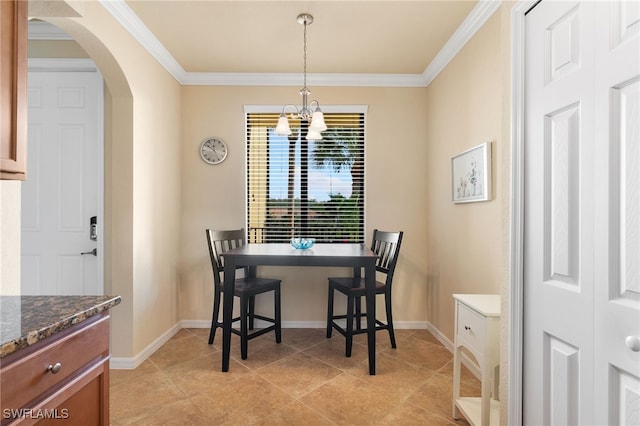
477, 329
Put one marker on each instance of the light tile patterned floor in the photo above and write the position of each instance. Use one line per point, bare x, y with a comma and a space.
305, 380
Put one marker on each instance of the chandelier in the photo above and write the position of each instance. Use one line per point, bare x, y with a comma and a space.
305, 113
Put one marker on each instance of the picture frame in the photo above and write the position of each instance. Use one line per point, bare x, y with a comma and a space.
471, 175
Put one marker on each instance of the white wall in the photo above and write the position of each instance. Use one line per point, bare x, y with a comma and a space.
214, 196
10, 237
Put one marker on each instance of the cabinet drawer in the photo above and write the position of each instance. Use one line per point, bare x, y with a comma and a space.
471, 330
27, 378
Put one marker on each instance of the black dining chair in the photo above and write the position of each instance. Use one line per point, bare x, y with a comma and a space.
246, 288
386, 245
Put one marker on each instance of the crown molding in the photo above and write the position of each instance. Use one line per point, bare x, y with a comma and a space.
364, 80
40, 30
471, 24
132, 23
293, 79
277, 109
61, 65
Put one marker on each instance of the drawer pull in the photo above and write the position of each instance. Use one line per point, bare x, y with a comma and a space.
54, 368
466, 327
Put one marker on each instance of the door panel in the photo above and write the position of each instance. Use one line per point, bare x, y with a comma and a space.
617, 234
64, 186
582, 214
561, 147
559, 201
562, 382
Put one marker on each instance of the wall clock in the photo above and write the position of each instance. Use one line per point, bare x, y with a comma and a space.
213, 150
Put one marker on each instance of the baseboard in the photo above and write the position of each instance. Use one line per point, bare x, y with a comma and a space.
399, 325
123, 363
258, 324
466, 361
195, 324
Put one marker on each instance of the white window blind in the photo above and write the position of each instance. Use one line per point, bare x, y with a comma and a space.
301, 188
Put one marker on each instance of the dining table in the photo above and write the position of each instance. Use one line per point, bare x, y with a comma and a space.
354, 255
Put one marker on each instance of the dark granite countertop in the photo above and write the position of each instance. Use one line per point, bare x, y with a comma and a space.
24, 320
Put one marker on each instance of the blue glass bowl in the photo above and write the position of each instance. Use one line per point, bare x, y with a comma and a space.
303, 243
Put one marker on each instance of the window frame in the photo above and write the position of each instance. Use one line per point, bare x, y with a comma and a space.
277, 109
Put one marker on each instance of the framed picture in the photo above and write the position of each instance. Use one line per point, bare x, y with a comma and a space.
471, 175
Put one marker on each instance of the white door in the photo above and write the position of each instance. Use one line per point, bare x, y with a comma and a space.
617, 215
64, 186
582, 214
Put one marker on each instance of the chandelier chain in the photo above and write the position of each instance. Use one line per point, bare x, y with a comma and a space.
305, 54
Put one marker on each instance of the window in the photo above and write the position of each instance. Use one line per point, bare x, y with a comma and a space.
312, 189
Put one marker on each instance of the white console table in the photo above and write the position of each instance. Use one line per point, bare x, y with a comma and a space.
477, 329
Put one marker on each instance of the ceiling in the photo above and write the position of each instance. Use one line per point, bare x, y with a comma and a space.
380, 37
350, 42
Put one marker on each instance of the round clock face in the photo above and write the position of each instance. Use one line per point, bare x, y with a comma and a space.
213, 150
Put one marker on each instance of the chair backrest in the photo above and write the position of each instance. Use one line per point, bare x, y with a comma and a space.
219, 242
387, 246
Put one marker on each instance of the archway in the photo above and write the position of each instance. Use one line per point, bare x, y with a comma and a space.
118, 172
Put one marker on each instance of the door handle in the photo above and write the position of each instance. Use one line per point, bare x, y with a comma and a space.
633, 343
93, 252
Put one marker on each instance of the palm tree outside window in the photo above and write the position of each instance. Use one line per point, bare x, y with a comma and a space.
312, 189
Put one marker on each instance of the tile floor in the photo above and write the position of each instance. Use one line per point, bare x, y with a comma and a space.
305, 380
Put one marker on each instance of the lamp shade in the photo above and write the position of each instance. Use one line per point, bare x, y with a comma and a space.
283, 128
313, 135
317, 121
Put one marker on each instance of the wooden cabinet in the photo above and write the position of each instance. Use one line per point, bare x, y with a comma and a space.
13, 89
65, 376
477, 329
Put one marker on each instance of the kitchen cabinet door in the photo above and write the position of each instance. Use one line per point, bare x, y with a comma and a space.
13, 89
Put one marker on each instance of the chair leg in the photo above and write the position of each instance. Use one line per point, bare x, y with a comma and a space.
244, 304
214, 318
349, 336
330, 311
277, 314
392, 335
252, 311
358, 302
